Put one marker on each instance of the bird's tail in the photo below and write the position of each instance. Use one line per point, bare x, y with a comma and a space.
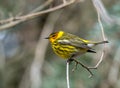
94, 44
102, 42
97, 43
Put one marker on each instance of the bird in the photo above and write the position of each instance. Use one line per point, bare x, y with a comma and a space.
67, 45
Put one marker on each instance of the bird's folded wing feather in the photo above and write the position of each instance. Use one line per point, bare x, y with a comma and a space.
74, 42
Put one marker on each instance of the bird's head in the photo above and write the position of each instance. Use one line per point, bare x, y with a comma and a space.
54, 36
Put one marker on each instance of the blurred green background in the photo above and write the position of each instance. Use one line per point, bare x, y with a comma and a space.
28, 61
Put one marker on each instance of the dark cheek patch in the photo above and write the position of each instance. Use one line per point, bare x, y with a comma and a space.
55, 36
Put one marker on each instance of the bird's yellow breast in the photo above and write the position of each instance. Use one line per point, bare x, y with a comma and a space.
64, 51
67, 51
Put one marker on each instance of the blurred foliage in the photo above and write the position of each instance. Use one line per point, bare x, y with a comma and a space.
80, 19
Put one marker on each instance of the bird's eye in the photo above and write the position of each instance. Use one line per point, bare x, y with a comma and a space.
53, 36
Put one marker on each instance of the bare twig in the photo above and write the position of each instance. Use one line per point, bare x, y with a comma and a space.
84, 66
67, 74
16, 20
71, 59
103, 37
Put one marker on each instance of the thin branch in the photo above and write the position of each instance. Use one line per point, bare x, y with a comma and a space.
71, 59
16, 20
103, 37
101, 26
84, 66
13, 20
67, 74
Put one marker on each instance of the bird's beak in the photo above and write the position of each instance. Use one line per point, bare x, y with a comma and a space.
47, 38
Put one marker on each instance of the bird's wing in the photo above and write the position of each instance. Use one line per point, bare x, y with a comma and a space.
74, 42
78, 44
